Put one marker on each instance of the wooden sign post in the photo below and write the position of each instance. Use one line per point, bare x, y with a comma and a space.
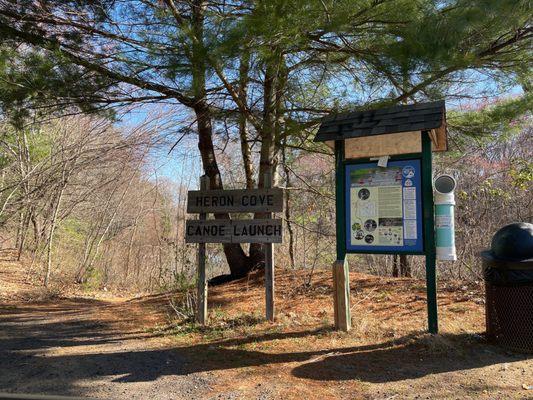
265, 230
201, 315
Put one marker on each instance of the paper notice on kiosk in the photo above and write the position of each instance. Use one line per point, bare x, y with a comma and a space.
390, 201
376, 212
409, 228
409, 193
409, 209
384, 207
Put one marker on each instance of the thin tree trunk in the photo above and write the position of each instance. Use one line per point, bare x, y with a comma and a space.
130, 242
287, 205
24, 233
51, 235
395, 270
243, 131
405, 268
272, 95
24, 165
18, 239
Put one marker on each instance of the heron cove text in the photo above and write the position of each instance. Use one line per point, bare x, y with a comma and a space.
251, 200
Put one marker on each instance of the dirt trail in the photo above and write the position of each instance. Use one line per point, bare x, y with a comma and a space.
109, 349
87, 347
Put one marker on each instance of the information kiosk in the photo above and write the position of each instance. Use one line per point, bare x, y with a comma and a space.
384, 191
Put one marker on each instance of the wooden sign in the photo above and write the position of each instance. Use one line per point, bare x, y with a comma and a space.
242, 200
266, 231
234, 231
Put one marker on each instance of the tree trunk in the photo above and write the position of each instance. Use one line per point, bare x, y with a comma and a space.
243, 131
287, 204
239, 263
395, 270
130, 242
405, 268
51, 234
25, 229
19, 230
267, 163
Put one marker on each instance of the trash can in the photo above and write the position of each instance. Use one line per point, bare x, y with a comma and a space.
508, 274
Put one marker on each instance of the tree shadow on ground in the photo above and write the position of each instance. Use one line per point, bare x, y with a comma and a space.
410, 358
36, 327
25, 347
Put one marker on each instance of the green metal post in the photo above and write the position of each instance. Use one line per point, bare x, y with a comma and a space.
340, 183
429, 233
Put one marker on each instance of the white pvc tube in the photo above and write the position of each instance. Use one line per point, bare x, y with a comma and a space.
444, 217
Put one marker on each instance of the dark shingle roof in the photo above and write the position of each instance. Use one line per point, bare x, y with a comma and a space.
404, 118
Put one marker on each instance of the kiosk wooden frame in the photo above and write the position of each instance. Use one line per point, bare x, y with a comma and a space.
398, 133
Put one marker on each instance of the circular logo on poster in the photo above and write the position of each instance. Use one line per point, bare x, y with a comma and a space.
369, 239
408, 171
370, 225
359, 235
363, 194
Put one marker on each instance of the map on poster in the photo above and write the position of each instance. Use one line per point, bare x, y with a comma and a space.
384, 207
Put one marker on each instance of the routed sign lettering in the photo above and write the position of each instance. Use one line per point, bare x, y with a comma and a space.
234, 231
247, 200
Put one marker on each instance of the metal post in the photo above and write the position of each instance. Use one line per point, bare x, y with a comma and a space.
201, 315
269, 262
429, 233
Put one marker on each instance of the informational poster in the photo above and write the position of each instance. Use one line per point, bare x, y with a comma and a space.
384, 207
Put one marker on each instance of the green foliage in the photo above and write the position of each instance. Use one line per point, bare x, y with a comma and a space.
33, 79
7, 136
387, 48
521, 174
502, 119
94, 278
40, 145
180, 283
72, 230
488, 188
458, 31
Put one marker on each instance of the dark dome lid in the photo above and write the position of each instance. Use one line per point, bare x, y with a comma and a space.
513, 242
